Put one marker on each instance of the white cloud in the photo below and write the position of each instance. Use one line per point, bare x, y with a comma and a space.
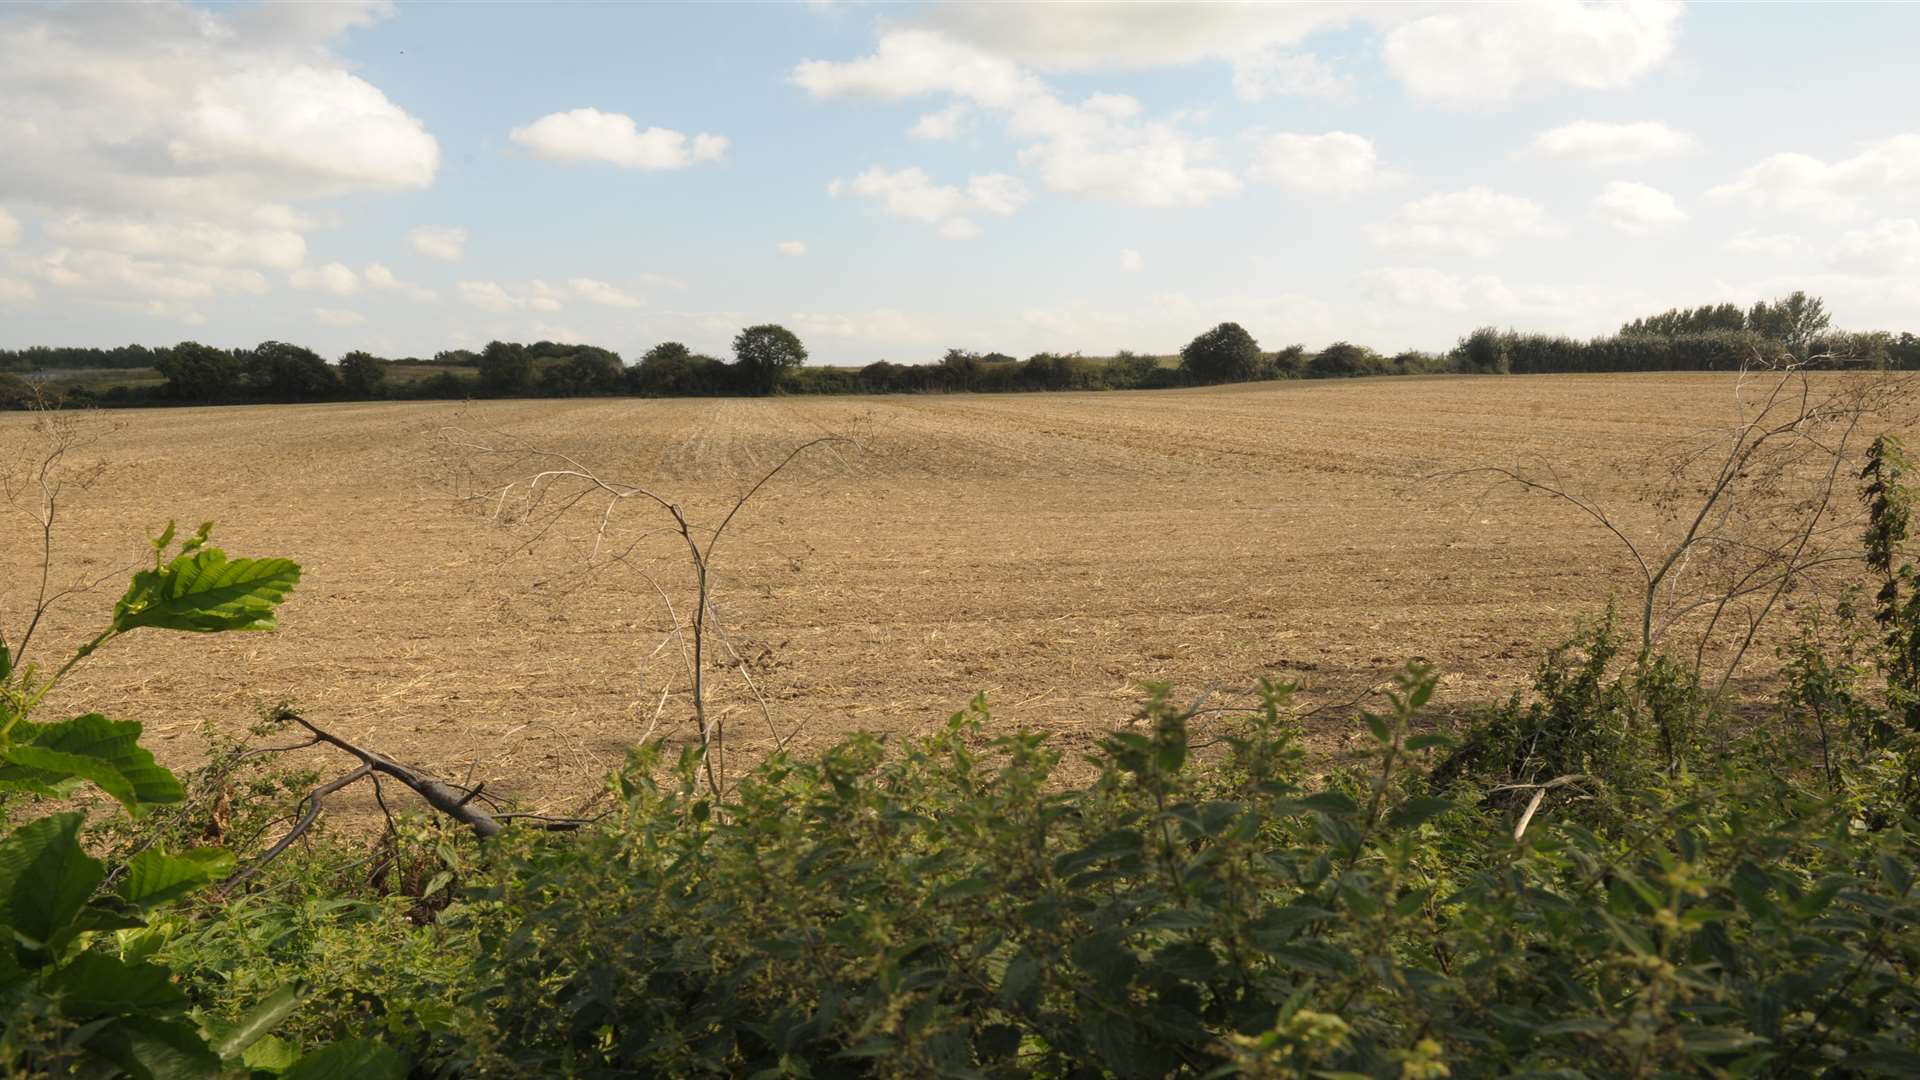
117, 276
9, 228
592, 135
602, 293
537, 295
488, 296
1886, 170
1777, 245
185, 241
1483, 298
886, 326
377, 276
1471, 222
1334, 163
1130, 260
166, 141
1637, 208
336, 278
1097, 148
337, 317
1889, 247
13, 290
1268, 73
207, 113
792, 249
941, 125
1489, 52
914, 196
1594, 143
1451, 52
445, 242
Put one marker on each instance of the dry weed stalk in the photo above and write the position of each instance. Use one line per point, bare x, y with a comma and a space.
543, 488
1749, 510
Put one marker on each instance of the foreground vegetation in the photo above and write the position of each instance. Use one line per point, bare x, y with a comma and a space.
770, 359
1611, 874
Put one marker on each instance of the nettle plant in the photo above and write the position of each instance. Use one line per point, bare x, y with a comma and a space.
77, 983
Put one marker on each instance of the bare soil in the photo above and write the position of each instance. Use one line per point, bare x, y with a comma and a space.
1052, 551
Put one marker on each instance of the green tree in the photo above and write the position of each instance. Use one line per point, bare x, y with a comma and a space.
1484, 352
362, 374
288, 372
1226, 353
1794, 321
505, 367
1343, 359
762, 353
196, 372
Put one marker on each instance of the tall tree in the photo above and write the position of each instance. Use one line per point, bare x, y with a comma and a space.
764, 353
1226, 353
196, 372
505, 367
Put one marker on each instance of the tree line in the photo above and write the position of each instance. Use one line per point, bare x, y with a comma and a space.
772, 359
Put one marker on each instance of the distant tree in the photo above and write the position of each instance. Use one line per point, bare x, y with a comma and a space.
999, 358
1794, 321
1706, 319
457, 357
1288, 363
1341, 360
1226, 353
15, 392
362, 374
505, 367
1484, 352
762, 353
667, 368
196, 372
587, 372
287, 372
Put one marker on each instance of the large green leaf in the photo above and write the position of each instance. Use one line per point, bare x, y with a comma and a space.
146, 1048
45, 878
154, 876
350, 1059
93, 748
96, 984
205, 592
260, 1020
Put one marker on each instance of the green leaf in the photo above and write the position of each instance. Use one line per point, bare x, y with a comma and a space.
96, 984
259, 1021
1378, 725
350, 1059
271, 1054
1420, 808
149, 1049
1422, 742
104, 752
45, 878
1330, 802
203, 592
154, 877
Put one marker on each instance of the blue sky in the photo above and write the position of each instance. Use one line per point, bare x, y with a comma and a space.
892, 180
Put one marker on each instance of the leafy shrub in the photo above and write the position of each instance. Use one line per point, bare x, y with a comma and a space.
1226, 353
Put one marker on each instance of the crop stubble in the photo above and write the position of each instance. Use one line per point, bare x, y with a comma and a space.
1053, 550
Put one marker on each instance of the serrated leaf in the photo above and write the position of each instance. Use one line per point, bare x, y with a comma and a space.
1422, 742
96, 984
152, 1049
45, 878
154, 876
350, 1059
1378, 725
204, 592
1329, 802
1420, 808
106, 753
254, 1027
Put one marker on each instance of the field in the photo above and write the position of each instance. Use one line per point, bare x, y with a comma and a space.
1052, 551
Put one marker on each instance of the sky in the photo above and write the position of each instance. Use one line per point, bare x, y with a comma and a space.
893, 180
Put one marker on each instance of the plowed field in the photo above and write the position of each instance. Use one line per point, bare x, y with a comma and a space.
1052, 551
